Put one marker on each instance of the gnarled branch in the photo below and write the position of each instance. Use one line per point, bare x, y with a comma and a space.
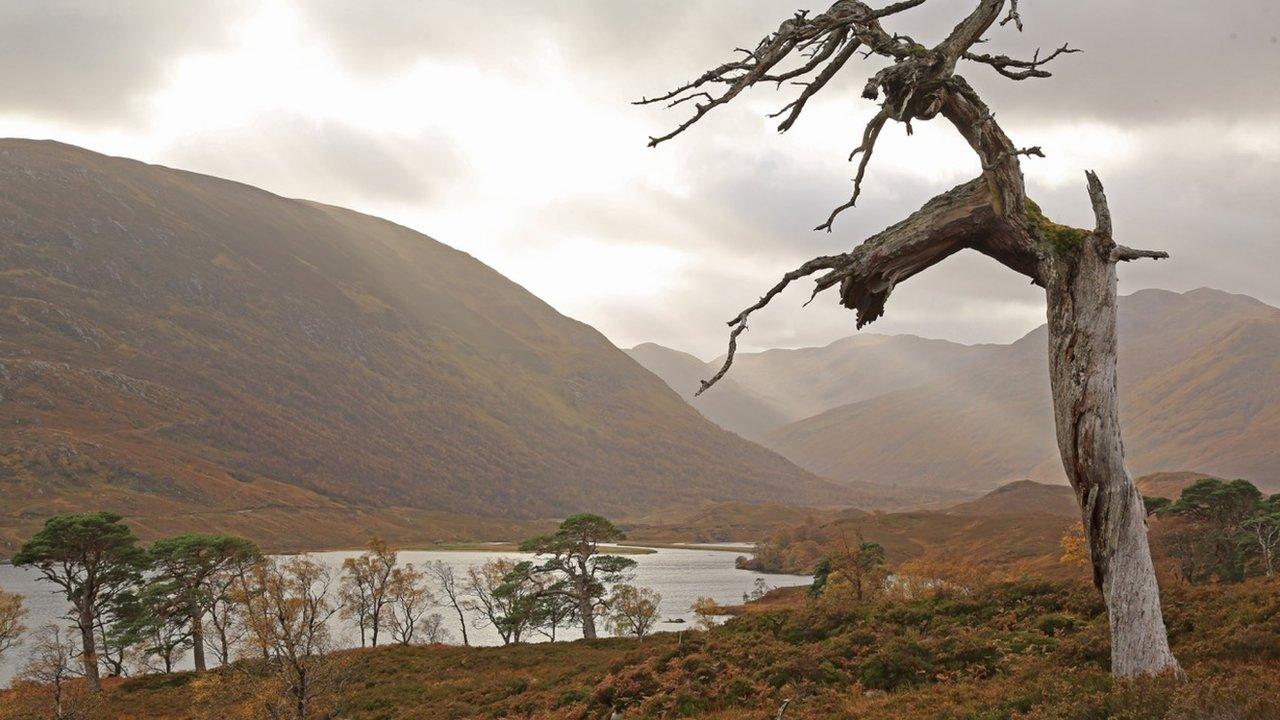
869, 135
962, 217
1020, 69
1120, 253
739, 323
1013, 17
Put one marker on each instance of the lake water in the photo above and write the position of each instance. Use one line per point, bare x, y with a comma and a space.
680, 575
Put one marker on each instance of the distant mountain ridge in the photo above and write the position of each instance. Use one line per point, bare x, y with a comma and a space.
1199, 386
766, 390
733, 406
174, 345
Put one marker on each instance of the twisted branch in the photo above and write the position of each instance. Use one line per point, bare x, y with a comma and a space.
869, 136
986, 214
831, 38
1124, 254
1014, 16
739, 323
1020, 69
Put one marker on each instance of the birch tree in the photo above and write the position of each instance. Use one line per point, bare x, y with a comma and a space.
447, 582
366, 581
992, 215
12, 611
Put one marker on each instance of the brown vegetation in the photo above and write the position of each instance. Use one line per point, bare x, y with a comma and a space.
1017, 528
1005, 651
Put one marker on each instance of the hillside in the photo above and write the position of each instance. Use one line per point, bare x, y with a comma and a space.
1018, 541
723, 522
179, 346
806, 381
1023, 496
1168, 484
1200, 387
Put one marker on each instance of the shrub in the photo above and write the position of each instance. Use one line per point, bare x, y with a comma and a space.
900, 663
1055, 623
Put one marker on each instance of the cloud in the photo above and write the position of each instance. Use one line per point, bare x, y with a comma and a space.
505, 129
90, 62
327, 160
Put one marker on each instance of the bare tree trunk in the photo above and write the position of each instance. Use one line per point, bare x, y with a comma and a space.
993, 216
1081, 297
462, 623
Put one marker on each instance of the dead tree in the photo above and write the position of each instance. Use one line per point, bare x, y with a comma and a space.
992, 215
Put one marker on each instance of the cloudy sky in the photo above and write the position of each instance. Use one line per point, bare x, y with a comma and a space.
503, 128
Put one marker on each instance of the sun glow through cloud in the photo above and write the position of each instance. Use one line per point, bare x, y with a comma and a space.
536, 164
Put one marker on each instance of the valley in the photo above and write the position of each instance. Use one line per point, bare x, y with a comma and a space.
1198, 375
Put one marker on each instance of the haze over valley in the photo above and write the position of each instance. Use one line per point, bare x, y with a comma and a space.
1199, 377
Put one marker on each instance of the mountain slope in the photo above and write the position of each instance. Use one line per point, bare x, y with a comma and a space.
806, 381
1199, 387
1022, 497
728, 404
171, 342
1168, 484
769, 389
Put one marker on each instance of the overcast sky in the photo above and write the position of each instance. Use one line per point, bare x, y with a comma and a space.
503, 128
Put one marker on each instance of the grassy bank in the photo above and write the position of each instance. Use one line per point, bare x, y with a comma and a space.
1026, 649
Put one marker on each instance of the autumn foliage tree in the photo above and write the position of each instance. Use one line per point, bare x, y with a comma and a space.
12, 611
366, 588
633, 610
49, 684
288, 605
408, 607
993, 215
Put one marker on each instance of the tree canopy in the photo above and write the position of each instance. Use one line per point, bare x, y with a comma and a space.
93, 557
572, 553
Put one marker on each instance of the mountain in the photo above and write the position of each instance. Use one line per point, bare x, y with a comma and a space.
1168, 484
728, 404
1199, 377
769, 389
807, 381
196, 352
1022, 497
725, 522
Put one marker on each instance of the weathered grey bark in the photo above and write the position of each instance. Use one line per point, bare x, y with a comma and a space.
1081, 292
990, 214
